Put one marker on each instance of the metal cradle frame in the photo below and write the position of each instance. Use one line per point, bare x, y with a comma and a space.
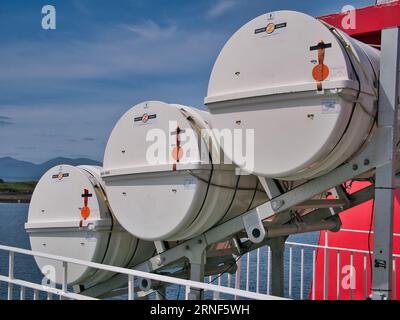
255, 229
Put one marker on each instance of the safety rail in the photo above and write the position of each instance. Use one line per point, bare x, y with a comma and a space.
254, 271
252, 279
131, 275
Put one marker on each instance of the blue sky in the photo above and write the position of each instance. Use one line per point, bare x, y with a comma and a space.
62, 91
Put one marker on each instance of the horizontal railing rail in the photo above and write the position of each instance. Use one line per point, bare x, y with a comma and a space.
305, 245
305, 276
252, 279
131, 275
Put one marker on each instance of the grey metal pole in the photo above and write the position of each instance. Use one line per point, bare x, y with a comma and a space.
197, 268
277, 246
385, 174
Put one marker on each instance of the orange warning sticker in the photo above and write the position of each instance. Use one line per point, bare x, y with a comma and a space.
177, 153
320, 72
85, 213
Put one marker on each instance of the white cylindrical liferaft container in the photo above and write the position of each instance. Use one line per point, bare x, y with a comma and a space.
160, 180
307, 90
69, 217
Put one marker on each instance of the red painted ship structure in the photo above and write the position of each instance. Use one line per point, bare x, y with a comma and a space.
350, 250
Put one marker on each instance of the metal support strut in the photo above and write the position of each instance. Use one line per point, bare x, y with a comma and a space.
277, 246
385, 174
196, 255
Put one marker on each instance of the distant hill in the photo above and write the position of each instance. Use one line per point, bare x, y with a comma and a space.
16, 170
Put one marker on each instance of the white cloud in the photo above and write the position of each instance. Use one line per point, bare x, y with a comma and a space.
151, 30
65, 80
50, 127
143, 49
221, 7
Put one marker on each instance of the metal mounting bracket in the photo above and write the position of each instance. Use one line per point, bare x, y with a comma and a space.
254, 227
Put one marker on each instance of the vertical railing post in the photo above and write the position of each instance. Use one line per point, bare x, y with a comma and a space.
290, 270
365, 276
248, 272
216, 294
131, 287
352, 276
161, 293
313, 274
187, 292
394, 280
237, 277
64, 287
268, 270
10, 275
258, 271
385, 180
326, 267
22, 293
338, 275
302, 274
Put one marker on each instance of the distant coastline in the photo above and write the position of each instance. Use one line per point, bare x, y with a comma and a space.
16, 192
15, 198
17, 170
18, 178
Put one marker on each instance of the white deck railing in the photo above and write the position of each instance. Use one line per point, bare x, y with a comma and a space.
301, 280
63, 293
252, 279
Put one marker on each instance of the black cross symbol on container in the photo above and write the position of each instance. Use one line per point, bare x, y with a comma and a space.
86, 195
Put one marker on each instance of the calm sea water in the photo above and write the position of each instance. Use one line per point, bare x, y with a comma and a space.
12, 233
